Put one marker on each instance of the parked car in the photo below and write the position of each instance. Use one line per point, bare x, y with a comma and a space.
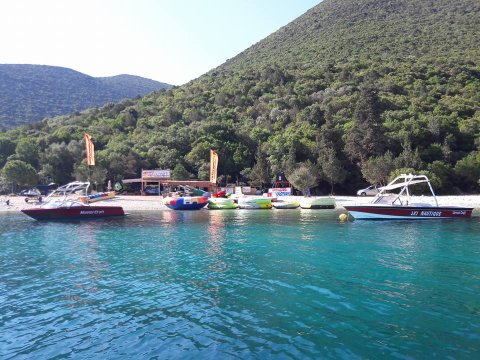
32, 194
151, 190
369, 191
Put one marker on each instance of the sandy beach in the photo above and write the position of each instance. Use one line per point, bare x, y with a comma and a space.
152, 203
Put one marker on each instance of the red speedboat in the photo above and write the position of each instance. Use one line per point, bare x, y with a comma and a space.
387, 205
62, 204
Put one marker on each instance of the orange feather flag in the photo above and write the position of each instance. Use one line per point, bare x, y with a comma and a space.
213, 166
90, 149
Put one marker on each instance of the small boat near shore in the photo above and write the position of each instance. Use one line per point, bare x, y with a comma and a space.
285, 204
219, 203
186, 202
317, 203
387, 205
251, 203
62, 204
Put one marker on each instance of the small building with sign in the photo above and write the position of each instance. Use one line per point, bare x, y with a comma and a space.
281, 186
160, 181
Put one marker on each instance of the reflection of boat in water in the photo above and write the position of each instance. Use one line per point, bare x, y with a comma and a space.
219, 203
254, 203
317, 203
63, 204
185, 202
387, 205
285, 204
97, 197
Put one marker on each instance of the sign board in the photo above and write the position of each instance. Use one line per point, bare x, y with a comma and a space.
274, 192
245, 190
149, 174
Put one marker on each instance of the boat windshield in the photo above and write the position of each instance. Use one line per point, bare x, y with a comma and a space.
64, 203
384, 199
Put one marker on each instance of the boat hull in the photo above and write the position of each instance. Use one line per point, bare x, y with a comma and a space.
369, 212
255, 203
185, 207
74, 212
317, 203
286, 204
221, 204
186, 203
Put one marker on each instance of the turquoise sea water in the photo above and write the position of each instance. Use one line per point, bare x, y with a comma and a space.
267, 284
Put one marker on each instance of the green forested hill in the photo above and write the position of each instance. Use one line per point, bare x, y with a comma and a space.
29, 93
347, 31
350, 91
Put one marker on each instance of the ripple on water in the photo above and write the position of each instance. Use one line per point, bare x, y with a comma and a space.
239, 284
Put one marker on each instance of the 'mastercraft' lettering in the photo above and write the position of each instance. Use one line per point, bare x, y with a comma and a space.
91, 212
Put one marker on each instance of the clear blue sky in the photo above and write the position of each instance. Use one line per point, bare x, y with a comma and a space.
173, 41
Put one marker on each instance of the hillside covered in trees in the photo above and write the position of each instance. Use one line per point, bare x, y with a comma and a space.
348, 93
29, 93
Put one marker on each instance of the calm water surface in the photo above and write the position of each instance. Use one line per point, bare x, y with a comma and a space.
284, 284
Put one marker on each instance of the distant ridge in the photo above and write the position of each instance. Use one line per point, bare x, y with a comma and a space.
29, 93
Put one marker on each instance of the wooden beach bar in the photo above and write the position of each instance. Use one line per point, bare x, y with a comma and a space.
161, 179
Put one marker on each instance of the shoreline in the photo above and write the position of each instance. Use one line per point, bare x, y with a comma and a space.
155, 203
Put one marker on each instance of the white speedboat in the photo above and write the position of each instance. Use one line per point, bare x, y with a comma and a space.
388, 205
